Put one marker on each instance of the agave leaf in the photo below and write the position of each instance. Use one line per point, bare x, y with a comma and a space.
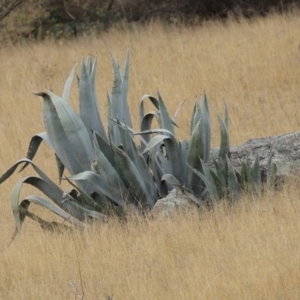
195, 150
196, 116
110, 122
220, 170
157, 172
133, 179
163, 162
74, 129
209, 182
141, 106
205, 130
48, 205
60, 167
184, 145
246, 177
226, 116
159, 131
224, 146
97, 181
55, 189
124, 91
147, 120
88, 103
34, 145
221, 189
46, 189
146, 125
256, 176
108, 173
68, 84
97, 201
79, 210
155, 141
58, 137
139, 162
115, 101
174, 155
120, 124
232, 181
89, 212
105, 149
83, 196
165, 120
173, 152
119, 105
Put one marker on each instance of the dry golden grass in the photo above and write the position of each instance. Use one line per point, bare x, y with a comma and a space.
247, 251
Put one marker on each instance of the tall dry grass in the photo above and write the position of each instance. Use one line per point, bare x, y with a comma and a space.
247, 251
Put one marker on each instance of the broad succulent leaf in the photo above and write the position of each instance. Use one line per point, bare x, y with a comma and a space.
60, 167
205, 130
165, 120
173, 152
196, 116
146, 125
124, 91
100, 186
221, 189
141, 106
88, 103
46, 189
133, 179
68, 84
139, 162
209, 182
106, 170
119, 105
226, 118
157, 171
65, 146
246, 177
224, 146
155, 141
232, 181
195, 151
105, 149
34, 145
221, 171
57, 190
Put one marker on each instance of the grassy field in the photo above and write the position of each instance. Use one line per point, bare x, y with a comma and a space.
247, 251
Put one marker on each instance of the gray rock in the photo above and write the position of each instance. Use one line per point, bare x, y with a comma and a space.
175, 202
284, 148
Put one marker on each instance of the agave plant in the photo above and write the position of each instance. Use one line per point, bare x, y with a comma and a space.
108, 170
